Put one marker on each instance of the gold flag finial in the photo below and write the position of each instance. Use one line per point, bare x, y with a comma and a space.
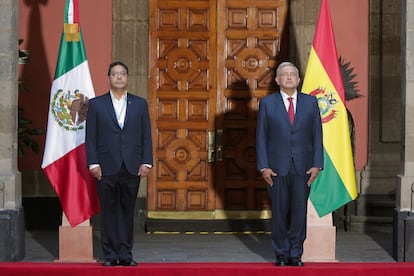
71, 32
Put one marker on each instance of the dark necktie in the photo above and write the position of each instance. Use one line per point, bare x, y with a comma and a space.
291, 110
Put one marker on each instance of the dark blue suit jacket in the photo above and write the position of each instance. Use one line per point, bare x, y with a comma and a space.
108, 145
277, 141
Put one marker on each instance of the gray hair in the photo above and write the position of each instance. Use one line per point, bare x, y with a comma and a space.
286, 64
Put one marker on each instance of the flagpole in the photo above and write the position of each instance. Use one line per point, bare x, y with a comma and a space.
335, 186
64, 159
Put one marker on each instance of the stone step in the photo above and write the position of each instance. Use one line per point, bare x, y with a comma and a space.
372, 219
373, 206
367, 223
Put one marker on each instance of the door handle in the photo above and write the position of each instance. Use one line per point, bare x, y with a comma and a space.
215, 146
219, 145
211, 147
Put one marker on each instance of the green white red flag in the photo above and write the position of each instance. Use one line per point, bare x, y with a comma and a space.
335, 185
64, 158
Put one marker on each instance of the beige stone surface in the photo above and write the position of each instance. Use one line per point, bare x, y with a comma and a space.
75, 243
320, 243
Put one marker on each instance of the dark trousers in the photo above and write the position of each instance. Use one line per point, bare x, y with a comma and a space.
289, 196
117, 196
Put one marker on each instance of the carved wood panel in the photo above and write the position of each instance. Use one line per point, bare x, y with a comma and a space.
210, 63
182, 100
251, 37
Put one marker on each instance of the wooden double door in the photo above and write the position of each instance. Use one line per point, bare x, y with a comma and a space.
210, 63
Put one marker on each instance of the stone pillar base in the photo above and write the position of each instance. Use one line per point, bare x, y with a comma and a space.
320, 243
75, 243
398, 235
12, 235
403, 236
409, 239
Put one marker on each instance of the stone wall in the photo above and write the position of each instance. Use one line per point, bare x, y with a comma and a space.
379, 178
10, 188
130, 21
11, 214
303, 15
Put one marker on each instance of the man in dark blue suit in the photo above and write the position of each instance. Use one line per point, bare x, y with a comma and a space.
119, 153
289, 156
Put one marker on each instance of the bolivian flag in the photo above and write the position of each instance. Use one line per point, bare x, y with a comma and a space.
335, 185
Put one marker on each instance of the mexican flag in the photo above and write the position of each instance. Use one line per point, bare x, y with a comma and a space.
64, 159
335, 185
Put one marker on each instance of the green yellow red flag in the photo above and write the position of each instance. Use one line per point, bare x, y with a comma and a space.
335, 186
64, 158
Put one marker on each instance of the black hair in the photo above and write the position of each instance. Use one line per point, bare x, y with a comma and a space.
115, 63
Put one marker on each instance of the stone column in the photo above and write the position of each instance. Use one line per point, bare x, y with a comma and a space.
11, 211
130, 25
403, 216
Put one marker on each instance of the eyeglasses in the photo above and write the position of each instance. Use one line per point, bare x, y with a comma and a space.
119, 74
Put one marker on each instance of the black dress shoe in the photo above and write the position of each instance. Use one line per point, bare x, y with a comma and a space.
109, 263
296, 262
129, 262
282, 261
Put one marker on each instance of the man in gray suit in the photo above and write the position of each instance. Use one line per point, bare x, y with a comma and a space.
119, 153
289, 156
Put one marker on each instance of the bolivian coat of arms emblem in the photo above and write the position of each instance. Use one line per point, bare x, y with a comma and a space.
326, 103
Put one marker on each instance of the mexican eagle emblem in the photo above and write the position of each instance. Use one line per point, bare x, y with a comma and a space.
69, 109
